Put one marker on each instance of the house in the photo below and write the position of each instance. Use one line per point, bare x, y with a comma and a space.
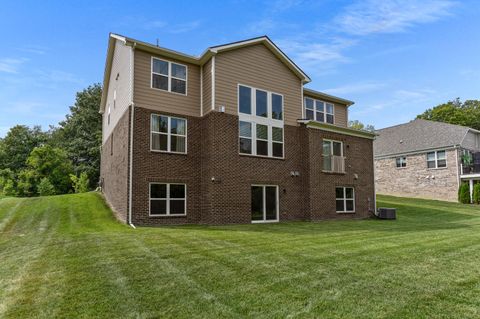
426, 159
230, 136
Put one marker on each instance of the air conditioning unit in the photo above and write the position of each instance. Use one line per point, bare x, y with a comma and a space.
387, 213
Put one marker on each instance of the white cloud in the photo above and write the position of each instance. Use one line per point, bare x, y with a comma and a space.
155, 24
315, 54
356, 88
183, 27
390, 16
10, 65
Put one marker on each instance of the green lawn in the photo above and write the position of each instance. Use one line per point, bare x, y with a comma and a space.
66, 256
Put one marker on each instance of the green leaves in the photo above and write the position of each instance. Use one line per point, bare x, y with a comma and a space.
455, 112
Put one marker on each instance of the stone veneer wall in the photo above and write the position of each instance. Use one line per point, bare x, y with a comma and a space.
416, 180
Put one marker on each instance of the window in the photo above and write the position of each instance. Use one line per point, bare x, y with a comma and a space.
261, 140
319, 111
260, 122
169, 76
168, 199
168, 134
264, 202
436, 159
345, 199
260, 103
401, 162
333, 160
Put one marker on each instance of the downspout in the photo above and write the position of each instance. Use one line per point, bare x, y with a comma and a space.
132, 116
130, 173
374, 183
456, 163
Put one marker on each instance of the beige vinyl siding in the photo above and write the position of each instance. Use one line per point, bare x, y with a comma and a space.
341, 115
163, 101
207, 87
258, 67
121, 67
340, 111
471, 141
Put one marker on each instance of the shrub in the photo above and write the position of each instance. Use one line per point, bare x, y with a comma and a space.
464, 194
80, 184
9, 188
45, 188
476, 193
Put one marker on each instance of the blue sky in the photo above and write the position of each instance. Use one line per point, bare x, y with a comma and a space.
393, 58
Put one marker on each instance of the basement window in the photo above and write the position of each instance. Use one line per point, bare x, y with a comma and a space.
168, 199
345, 199
169, 76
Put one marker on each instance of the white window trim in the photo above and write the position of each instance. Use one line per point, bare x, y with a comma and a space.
315, 110
169, 76
268, 121
403, 159
169, 135
264, 221
168, 198
345, 211
436, 160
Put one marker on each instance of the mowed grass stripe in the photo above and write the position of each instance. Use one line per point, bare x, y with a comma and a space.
66, 256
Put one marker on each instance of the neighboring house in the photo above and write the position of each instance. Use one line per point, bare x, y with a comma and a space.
426, 159
231, 136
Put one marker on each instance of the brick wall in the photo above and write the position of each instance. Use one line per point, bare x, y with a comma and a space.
114, 168
416, 180
213, 152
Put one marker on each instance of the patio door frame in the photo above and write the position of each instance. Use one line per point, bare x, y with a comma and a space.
264, 204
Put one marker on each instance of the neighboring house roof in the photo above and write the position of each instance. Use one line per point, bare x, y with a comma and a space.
198, 60
418, 135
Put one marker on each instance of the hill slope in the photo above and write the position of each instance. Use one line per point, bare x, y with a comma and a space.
66, 256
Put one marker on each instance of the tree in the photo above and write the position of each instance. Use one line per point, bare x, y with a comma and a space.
80, 133
51, 162
455, 112
476, 193
45, 188
18, 144
80, 184
464, 193
356, 124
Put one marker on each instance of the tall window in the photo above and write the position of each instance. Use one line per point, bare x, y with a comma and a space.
260, 122
168, 199
168, 134
436, 159
264, 203
319, 111
345, 199
401, 162
333, 160
169, 76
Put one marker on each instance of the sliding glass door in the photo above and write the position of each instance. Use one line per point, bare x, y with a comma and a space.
264, 203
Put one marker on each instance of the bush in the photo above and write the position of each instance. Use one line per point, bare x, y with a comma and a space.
27, 183
45, 188
80, 184
464, 194
476, 193
9, 188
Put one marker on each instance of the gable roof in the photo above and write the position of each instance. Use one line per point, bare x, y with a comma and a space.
418, 135
328, 97
197, 60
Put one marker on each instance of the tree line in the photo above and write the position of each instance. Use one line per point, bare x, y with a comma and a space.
66, 158
63, 159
